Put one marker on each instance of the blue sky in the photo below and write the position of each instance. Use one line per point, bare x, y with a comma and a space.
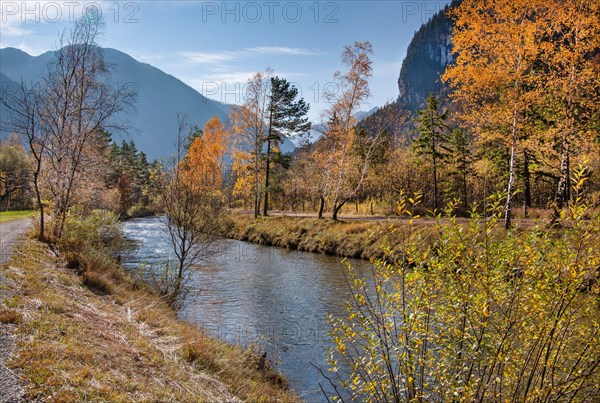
215, 46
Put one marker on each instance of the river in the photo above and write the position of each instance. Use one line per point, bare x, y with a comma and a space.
247, 293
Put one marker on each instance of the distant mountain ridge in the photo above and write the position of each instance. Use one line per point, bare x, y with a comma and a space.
318, 129
160, 95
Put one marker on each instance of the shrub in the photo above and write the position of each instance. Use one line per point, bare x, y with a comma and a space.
140, 210
479, 314
99, 229
91, 245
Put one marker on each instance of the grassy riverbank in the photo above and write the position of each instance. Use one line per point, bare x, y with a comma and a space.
86, 331
357, 239
6, 216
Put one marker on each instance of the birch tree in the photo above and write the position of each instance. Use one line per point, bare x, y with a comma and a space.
250, 124
571, 80
496, 44
78, 102
352, 91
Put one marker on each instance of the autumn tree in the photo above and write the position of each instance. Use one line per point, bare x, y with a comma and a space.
352, 91
496, 45
25, 107
432, 139
191, 199
78, 102
570, 79
15, 175
287, 118
250, 124
203, 165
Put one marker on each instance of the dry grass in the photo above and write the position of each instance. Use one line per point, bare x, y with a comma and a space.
357, 239
8, 315
97, 336
353, 238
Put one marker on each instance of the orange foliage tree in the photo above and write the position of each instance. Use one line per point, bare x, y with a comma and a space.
571, 81
202, 167
496, 43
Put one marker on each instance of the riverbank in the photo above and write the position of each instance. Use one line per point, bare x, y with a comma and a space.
86, 331
6, 216
356, 239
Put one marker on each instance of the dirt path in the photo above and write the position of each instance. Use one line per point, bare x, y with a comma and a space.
10, 387
9, 233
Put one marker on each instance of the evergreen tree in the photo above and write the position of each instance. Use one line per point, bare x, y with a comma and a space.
461, 158
287, 118
432, 138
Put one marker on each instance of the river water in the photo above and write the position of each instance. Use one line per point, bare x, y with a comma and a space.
246, 293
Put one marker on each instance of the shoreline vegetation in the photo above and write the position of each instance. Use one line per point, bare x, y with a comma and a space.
11, 215
354, 239
87, 330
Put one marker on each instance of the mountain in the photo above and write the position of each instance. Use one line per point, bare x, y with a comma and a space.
160, 96
6, 84
317, 129
427, 56
360, 115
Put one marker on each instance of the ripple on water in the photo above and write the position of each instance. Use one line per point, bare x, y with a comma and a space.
246, 292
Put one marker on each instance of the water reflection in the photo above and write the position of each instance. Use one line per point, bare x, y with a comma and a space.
247, 293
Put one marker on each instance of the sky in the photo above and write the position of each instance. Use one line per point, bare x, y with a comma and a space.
215, 46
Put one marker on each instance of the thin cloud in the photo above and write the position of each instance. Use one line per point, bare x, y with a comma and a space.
281, 50
209, 57
229, 56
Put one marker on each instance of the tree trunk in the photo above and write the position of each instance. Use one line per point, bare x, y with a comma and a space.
256, 204
513, 145
256, 181
562, 191
267, 169
356, 206
336, 210
527, 183
321, 206
38, 197
435, 190
465, 195
511, 179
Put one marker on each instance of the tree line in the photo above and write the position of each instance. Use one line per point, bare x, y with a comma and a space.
521, 110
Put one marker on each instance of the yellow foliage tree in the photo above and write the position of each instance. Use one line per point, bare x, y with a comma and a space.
496, 43
571, 80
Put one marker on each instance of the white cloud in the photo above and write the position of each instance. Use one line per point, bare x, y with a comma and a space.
281, 50
227, 86
209, 57
219, 58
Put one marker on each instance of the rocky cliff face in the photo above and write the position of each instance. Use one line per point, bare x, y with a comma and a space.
428, 54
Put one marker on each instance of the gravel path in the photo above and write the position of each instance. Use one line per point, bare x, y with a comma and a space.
10, 388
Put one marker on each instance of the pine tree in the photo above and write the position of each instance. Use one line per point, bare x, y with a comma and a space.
287, 118
432, 138
461, 158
